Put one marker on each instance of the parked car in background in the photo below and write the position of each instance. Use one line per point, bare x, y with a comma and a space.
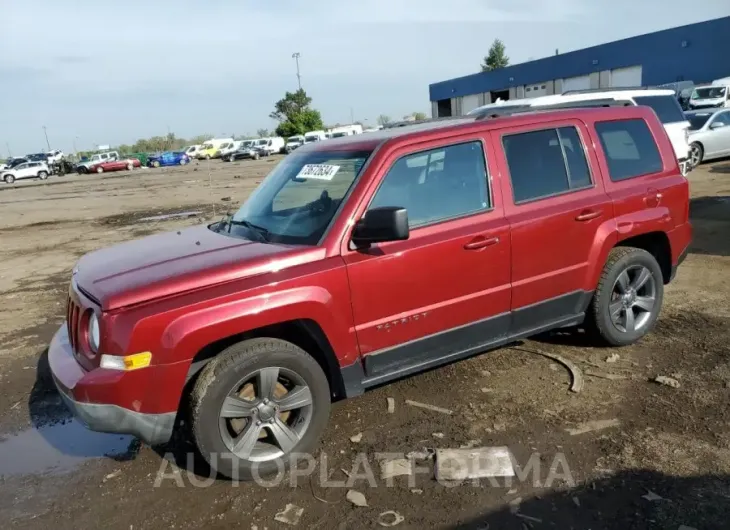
192, 151
10, 163
709, 135
349, 268
293, 142
345, 130
54, 155
710, 96
37, 157
98, 158
26, 170
229, 148
168, 158
271, 146
314, 136
211, 148
115, 165
245, 150
661, 101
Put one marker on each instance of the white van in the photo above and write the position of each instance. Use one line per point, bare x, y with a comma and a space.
662, 101
711, 96
211, 148
293, 142
229, 147
314, 136
271, 146
345, 130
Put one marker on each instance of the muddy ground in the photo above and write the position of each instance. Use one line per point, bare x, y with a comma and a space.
662, 461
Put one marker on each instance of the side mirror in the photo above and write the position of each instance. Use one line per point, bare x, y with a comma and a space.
388, 223
716, 124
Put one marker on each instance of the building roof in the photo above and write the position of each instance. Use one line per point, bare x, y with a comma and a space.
692, 52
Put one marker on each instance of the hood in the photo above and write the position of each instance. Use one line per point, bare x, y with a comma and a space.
175, 262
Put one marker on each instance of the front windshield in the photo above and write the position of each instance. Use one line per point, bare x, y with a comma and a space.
310, 139
293, 139
207, 146
696, 121
338, 134
262, 142
297, 200
712, 92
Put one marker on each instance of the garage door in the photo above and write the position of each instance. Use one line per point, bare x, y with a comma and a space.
469, 103
622, 77
533, 91
582, 82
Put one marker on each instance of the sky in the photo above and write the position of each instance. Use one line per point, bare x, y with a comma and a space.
111, 72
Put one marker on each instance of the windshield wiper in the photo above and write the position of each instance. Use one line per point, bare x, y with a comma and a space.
260, 230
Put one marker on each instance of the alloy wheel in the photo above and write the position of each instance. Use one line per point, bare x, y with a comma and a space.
266, 414
695, 156
633, 299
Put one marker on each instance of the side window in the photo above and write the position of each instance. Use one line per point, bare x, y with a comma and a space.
630, 148
546, 162
723, 117
438, 184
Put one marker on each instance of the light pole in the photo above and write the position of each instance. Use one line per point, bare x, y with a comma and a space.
296, 56
46, 135
76, 152
7, 144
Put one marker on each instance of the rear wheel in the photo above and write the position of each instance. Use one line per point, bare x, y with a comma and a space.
100, 169
255, 404
156, 163
43, 175
696, 154
629, 296
231, 158
9, 179
183, 161
130, 166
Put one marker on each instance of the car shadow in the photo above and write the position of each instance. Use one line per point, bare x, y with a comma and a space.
636, 499
721, 168
710, 218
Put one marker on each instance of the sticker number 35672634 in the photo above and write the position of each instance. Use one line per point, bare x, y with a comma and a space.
318, 171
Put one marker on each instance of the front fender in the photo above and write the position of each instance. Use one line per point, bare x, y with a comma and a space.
187, 335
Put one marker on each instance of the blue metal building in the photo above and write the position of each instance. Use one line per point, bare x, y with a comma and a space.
696, 52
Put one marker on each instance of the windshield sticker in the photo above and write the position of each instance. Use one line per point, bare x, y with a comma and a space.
318, 171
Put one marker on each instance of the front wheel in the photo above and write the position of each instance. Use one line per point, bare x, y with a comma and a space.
256, 156
43, 175
183, 161
256, 404
130, 166
9, 179
629, 296
156, 163
100, 170
696, 154
231, 158
207, 157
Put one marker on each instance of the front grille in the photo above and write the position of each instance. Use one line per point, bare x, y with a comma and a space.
73, 316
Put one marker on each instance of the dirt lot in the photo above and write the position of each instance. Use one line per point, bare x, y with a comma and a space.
663, 459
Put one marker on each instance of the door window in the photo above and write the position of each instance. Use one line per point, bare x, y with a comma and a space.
437, 185
723, 118
629, 147
545, 163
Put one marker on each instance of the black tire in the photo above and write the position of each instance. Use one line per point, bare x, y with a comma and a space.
231, 158
224, 373
696, 160
43, 175
9, 179
256, 156
620, 260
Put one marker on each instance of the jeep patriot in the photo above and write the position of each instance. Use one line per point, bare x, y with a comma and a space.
364, 259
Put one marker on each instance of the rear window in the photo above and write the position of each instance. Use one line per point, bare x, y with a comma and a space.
666, 107
630, 148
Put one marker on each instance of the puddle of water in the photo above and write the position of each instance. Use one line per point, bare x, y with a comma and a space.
60, 448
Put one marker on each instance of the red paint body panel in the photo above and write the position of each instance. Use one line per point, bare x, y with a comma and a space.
174, 294
116, 165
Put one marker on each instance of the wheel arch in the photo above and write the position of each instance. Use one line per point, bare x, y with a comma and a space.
657, 244
305, 333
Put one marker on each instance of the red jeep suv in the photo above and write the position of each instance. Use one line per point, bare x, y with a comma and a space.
364, 259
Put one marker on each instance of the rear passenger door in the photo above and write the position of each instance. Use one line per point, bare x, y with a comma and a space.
555, 204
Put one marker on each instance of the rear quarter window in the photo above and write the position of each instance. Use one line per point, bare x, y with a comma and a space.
630, 148
666, 107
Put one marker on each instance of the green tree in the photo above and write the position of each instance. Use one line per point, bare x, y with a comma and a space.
418, 116
496, 58
263, 133
295, 116
384, 119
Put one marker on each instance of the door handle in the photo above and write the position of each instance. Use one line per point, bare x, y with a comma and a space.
481, 243
587, 215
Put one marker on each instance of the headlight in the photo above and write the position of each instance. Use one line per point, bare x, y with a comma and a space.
94, 332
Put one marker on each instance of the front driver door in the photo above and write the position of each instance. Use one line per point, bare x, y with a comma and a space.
444, 292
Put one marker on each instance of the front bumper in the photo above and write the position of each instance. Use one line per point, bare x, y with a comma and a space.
152, 429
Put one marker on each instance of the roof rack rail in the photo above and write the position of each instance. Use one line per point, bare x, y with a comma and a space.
521, 109
611, 89
406, 123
